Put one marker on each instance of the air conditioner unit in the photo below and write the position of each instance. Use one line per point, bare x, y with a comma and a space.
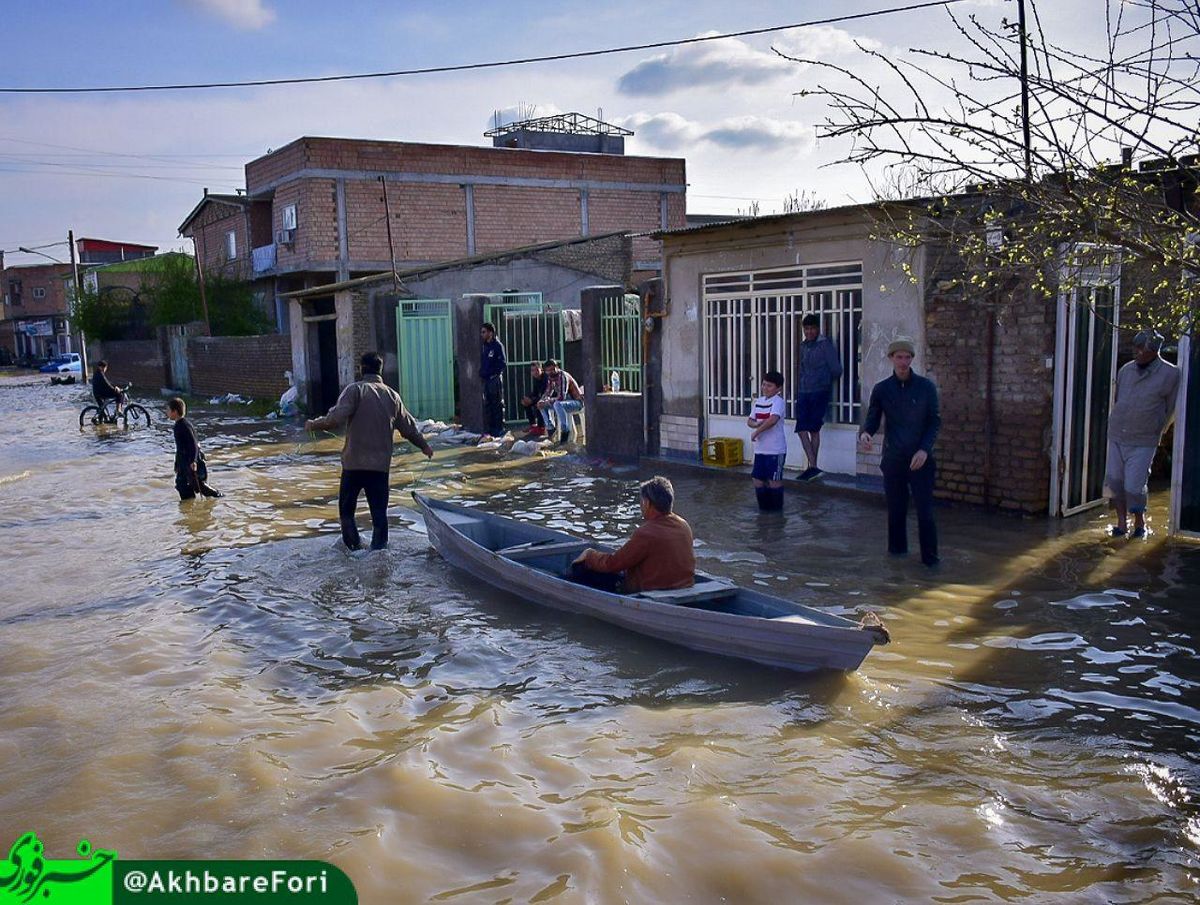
285, 237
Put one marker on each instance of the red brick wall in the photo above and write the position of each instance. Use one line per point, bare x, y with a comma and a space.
208, 232
49, 277
248, 365
510, 216
429, 220
287, 159
139, 361
956, 329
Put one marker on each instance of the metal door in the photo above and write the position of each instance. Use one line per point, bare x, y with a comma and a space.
426, 359
1084, 381
531, 330
621, 340
1185, 471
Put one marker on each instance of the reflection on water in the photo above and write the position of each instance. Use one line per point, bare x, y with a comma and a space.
220, 678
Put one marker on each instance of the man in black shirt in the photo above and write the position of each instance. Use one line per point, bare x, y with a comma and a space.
910, 404
103, 390
191, 474
491, 372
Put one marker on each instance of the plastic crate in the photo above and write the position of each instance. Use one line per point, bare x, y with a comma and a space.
724, 452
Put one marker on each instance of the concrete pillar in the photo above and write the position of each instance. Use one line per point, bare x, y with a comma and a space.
468, 317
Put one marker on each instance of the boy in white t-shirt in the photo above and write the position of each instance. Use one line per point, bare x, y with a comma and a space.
769, 440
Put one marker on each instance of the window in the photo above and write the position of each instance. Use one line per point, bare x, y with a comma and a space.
230, 245
289, 216
14, 292
753, 324
39, 292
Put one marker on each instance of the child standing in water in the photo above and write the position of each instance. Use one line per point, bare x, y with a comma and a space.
191, 474
769, 440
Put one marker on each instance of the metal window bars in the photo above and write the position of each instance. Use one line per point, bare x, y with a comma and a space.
621, 340
753, 324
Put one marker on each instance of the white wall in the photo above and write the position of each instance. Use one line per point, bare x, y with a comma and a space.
891, 307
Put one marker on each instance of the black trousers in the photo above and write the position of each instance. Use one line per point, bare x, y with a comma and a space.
601, 581
189, 483
534, 414
375, 484
493, 406
898, 482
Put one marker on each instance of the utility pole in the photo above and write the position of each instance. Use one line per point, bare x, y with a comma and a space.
83, 362
387, 213
197, 250
1025, 88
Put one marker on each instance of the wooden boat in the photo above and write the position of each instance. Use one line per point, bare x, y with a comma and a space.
715, 616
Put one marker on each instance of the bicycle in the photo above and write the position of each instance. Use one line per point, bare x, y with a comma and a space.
134, 415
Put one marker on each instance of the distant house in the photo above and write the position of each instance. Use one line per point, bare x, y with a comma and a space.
128, 280
34, 323
315, 212
104, 251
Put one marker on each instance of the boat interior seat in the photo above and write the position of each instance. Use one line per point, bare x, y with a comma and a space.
701, 592
456, 518
537, 549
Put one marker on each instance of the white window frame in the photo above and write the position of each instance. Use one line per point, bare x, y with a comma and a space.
231, 245
38, 292
288, 217
752, 323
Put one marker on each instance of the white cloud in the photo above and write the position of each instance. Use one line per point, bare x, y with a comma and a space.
249, 15
730, 61
761, 133
822, 42
663, 130
670, 132
722, 62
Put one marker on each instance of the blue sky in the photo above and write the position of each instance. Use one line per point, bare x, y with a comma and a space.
131, 166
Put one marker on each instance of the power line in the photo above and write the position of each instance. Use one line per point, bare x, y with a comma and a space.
162, 158
256, 83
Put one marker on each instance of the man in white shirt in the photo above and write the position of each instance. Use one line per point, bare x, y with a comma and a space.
769, 441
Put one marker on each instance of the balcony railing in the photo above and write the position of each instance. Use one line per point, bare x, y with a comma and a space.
263, 258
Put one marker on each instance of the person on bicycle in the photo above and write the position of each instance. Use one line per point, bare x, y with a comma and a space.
103, 389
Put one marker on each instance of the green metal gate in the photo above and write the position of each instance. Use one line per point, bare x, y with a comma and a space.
426, 357
621, 340
531, 330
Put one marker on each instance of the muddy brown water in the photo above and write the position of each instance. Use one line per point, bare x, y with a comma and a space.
220, 679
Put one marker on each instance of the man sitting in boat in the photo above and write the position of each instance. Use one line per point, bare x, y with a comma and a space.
658, 557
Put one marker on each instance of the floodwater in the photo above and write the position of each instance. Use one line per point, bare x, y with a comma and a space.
221, 679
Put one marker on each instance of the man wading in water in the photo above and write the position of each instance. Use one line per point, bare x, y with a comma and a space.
373, 410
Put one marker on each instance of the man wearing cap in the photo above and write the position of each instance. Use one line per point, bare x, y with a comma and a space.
1143, 407
910, 404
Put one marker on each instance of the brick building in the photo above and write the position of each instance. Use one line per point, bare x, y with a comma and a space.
314, 210
34, 322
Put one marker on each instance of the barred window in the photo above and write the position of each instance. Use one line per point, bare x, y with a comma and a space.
753, 325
